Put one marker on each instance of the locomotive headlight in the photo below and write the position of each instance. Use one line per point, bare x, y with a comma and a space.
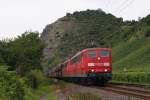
105, 70
90, 64
106, 64
92, 70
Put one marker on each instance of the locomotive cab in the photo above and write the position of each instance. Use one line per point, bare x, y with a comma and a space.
98, 63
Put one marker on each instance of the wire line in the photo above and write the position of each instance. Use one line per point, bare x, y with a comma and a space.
127, 5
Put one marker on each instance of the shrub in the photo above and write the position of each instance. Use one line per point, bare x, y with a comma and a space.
147, 31
11, 87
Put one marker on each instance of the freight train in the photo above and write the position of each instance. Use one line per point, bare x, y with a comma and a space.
90, 66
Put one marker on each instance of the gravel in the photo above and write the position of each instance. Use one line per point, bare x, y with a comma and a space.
103, 94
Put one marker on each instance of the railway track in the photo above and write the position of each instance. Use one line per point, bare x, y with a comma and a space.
142, 92
130, 84
128, 90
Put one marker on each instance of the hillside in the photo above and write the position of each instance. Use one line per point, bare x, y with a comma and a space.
132, 56
84, 29
77, 31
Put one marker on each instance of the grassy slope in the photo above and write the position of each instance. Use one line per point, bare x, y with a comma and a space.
43, 91
131, 61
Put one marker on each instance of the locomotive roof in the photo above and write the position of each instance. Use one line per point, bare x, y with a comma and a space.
78, 53
89, 49
96, 49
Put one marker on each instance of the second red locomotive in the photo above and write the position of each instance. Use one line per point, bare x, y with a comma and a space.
91, 65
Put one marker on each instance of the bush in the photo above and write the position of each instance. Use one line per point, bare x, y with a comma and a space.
147, 31
36, 78
11, 88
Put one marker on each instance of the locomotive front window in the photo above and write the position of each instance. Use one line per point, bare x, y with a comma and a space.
92, 54
104, 53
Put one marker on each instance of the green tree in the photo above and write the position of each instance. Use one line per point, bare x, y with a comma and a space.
23, 53
27, 50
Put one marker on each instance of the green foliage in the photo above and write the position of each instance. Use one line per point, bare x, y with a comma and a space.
23, 53
1, 60
11, 88
43, 90
3, 51
36, 78
131, 61
147, 31
146, 20
132, 55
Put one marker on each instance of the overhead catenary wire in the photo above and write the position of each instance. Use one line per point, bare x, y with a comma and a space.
121, 5
144, 13
126, 6
106, 3
109, 4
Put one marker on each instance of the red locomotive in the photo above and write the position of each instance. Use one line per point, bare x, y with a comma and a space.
92, 65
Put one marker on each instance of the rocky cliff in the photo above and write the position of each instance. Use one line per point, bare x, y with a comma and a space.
52, 35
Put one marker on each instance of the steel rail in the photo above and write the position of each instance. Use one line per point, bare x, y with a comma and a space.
130, 91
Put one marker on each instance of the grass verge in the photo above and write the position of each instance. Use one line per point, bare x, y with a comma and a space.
44, 92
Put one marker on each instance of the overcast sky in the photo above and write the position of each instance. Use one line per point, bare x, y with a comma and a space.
17, 16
